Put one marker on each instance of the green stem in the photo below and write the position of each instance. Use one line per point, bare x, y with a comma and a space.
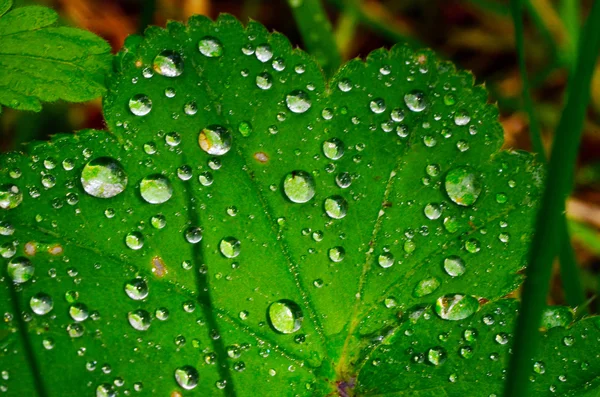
570, 12
548, 233
346, 28
317, 33
569, 270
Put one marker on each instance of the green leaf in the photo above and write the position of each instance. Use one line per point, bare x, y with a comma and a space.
427, 356
39, 62
282, 221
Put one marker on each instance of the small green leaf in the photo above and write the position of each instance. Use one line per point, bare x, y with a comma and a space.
39, 62
247, 225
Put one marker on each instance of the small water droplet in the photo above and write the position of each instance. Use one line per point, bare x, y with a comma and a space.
140, 105
193, 235
385, 260
415, 101
139, 319
456, 306
10, 196
20, 270
454, 266
264, 81
215, 140
134, 240
377, 106
426, 287
345, 85
333, 149
264, 53
285, 316
436, 355
298, 101
136, 289
299, 186
79, 312
433, 211
210, 47
337, 254
230, 247
336, 207
539, 367
168, 63
156, 189
187, 377
41, 303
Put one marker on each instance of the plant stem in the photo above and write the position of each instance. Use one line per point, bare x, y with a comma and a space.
570, 13
547, 235
346, 28
317, 33
569, 270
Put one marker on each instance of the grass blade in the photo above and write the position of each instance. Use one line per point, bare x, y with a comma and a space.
548, 235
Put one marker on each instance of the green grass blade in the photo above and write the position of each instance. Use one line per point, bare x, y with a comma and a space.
570, 12
317, 33
568, 266
548, 235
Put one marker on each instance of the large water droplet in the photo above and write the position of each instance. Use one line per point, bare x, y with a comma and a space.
415, 101
156, 189
264, 81
136, 289
264, 53
187, 377
463, 186
333, 148
103, 177
298, 101
299, 186
386, 260
454, 266
41, 303
336, 207
140, 105
168, 63
10, 196
210, 47
139, 319
215, 140
456, 306
20, 269
230, 247
285, 316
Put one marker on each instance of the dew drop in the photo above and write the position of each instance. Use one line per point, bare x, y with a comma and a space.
20, 269
230, 247
415, 101
454, 266
385, 260
156, 189
462, 117
168, 63
336, 207
285, 316
264, 53
140, 105
333, 148
210, 47
136, 289
337, 254
377, 106
343, 180
433, 211
264, 81
41, 303
462, 186
426, 286
134, 240
298, 101
436, 356
10, 196
345, 85
215, 140
299, 186
103, 177
79, 312
139, 319
456, 306
193, 235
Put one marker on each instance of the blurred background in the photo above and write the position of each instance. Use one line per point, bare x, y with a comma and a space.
477, 35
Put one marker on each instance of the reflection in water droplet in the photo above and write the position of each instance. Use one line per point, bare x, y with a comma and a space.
230, 247
377, 106
285, 316
264, 53
454, 266
136, 289
336, 207
333, 148
41, 303
20, 270
436, 355
103, 177
140, 105
299, 186
264, 81
415, 100
139, 319
462, 186
215, 140
386, 260
10, 196
134, 240
168, 63
298, 101
472, 245
343, 180
187, 377
433, 211
156, 189
337, 254
462, 117
193, 235
456, 306
79, 312
75, 330
345, 85
210, 47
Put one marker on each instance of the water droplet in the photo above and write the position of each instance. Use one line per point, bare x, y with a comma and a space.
193, 235
426, 287
337, 254
472, 245
501, 338
136, 289
103, 177
462, 117
385, 260
343, 180
156, 189
210, 47
462, 186
377, 106
20, 269
75, 330
10, 196
433, 211
158, 221
285, 316
168, 63
456, 306
436, 355
454, 266
245, 128
105, 390
539, 367
230, 247
568, 340
336, 207
162, 313
190, 108
134, 240
140, 105
345, 85
333, 148
415, 101
172, 139
299, 186
187, 377
264, 81
264, 53
41, 303
215, 140
139, 319
79, 312
205, 178
298, 101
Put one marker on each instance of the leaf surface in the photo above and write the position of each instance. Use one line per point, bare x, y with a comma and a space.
283, 222
40, 62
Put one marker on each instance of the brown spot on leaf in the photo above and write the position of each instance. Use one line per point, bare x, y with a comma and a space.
158, 267
176, 394
55, 250
31, 248
261, 157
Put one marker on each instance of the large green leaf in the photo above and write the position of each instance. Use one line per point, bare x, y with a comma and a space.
284, 222
39, 62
